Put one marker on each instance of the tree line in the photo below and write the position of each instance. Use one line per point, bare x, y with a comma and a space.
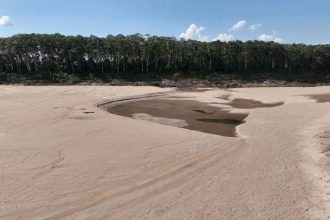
52, 56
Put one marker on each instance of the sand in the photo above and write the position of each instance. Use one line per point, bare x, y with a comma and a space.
62, 157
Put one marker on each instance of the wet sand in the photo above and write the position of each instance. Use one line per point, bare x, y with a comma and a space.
192, 90
322, 98
63, 157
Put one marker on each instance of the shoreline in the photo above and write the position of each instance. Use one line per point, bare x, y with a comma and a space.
221, 83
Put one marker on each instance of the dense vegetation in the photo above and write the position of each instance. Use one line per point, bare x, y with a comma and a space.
56, 56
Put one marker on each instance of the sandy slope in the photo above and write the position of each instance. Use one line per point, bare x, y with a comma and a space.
57, 162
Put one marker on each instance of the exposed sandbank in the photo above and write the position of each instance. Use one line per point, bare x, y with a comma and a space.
59, 162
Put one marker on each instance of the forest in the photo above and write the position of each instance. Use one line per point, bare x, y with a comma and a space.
55, 56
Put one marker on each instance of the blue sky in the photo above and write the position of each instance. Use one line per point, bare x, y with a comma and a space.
287, 21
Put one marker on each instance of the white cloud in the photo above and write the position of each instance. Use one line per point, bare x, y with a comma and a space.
254, 27
5, 21
194, 33
224, 37
268, 38
239, 25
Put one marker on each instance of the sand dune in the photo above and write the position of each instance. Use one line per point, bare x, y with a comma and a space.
62, 157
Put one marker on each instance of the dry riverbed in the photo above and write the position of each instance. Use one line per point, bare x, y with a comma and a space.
100, 152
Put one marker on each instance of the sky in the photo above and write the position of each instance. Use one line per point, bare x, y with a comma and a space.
285, 21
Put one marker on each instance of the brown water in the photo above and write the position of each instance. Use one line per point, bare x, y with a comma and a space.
251, 104
199, 116
193, 115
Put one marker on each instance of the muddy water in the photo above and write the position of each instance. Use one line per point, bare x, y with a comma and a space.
251, 104
198, 116
190, 114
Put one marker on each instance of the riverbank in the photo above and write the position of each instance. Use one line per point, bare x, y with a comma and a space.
221, 81
64, 157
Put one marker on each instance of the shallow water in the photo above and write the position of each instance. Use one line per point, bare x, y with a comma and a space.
190, 114
251, 104
198, 116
